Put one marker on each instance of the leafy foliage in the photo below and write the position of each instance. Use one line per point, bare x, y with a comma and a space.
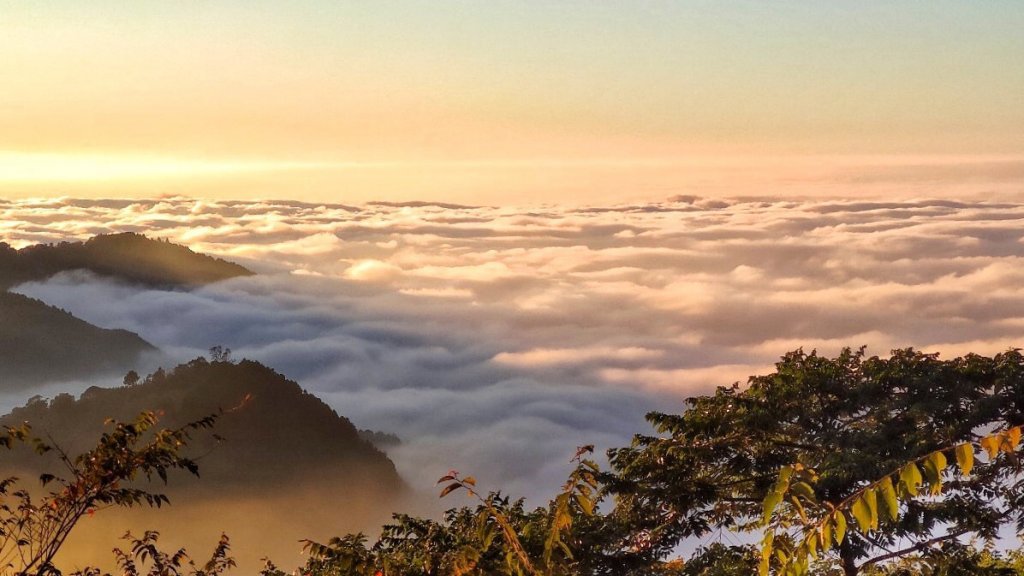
894, 494
145, 558
497, 536
33, 528
843, 466
832, 425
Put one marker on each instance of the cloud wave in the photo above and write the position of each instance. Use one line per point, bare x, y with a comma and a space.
496, 339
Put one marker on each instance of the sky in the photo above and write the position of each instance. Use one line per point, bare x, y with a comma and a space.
510, 102
503, 229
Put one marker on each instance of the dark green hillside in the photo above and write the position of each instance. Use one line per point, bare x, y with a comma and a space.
129, 257
273, 430
288, 466
40, 342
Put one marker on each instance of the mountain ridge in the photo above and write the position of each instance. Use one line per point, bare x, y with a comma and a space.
34, 334
127, 256
293, 422
274, 449
42, 342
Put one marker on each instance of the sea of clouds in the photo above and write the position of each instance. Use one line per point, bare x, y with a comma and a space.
496, 340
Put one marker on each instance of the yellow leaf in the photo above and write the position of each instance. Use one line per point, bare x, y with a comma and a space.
910, 478
1012, 437
811, 542
766, 554
803, 489
784, 475
585, 504
825, 534
872, 501
888, 492
770, 502
933, 467
991, 445
862, 514
965, 458
840, 519
799, 508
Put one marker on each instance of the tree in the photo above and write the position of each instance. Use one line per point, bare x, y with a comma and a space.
809, 527
145, 558
220, 354
131, 378
954, 559
498, 536
33, 529
853, 420
812, 456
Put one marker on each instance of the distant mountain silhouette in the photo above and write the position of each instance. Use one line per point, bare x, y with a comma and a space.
283, 450
40, 343
128, 257
277, 433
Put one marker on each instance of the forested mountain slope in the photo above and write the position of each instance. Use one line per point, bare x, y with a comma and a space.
39, 343
128, 257
275, 449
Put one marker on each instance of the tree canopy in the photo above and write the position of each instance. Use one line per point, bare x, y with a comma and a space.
852, 419
906, 465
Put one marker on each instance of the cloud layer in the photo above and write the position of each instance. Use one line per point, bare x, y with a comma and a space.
495, 340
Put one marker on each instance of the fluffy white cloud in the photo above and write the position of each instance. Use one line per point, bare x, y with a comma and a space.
497, 339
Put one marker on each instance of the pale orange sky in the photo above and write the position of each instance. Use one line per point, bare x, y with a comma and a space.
503, 102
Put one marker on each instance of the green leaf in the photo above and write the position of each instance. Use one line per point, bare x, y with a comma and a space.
585, 504
784, 475
965, 458
931, 476
770, 502
804, 490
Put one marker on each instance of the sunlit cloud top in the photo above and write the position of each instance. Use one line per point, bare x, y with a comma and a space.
476, 332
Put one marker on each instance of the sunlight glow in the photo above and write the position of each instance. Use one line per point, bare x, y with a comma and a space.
47, 167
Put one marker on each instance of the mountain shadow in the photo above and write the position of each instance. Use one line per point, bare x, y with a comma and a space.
39, 343
287, 466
